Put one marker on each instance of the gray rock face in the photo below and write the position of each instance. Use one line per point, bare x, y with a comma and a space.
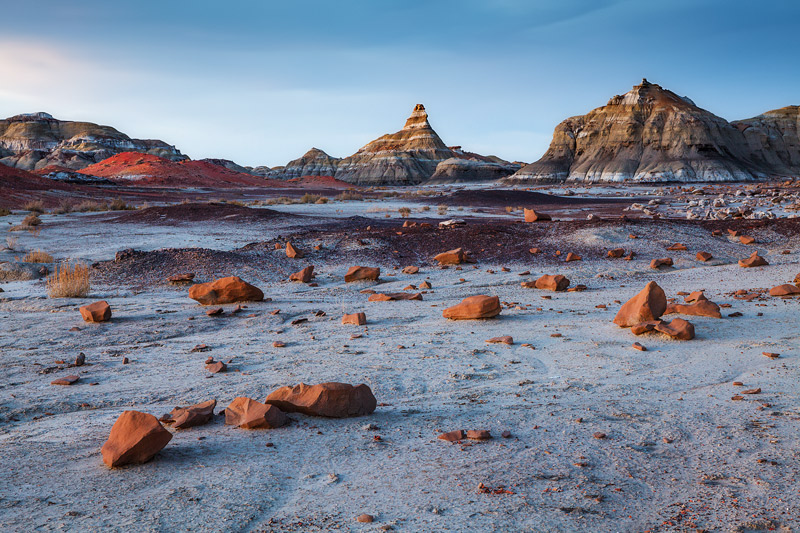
652, 135
774, 138
315, 162
37, 140
458, 170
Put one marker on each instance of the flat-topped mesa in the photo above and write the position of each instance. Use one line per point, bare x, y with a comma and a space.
32, 141
649, 134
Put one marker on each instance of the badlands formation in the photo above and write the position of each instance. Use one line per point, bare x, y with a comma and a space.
651, 135
196, 345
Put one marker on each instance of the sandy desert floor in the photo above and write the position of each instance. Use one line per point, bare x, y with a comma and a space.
680, 454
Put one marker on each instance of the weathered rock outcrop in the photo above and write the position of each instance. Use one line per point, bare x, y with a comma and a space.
651, 134
36, 140
315, 162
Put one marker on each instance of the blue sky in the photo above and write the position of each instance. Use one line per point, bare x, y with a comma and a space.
262, 82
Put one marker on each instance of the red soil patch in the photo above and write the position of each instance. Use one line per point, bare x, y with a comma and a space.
133, 168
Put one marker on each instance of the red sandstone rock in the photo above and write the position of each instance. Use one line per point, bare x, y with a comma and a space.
247, 413
616, 253
365, 518
702, 307
304, 275
392, 296
704, 256
215, 367
96, 312
65, 380
505, 339
639, 347
533, 216
356, 319
754, 260
292, 252
135, 438
695, 296
658, 263
453, 436
194, 415
425, 285
479, 434
410, 270
336, 400
679, 329
225, 291
361, 273
746, 240
786, 289
552, 283
677, 247
454, 257
474, 307
649, 304
644, 327
572, 257
535, 251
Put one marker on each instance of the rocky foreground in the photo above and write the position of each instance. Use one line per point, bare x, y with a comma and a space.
634, 374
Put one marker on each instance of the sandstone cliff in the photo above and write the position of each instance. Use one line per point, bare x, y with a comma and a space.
36, 140
649, 134
774, 139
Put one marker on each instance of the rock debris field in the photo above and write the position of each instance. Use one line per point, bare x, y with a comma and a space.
611, 374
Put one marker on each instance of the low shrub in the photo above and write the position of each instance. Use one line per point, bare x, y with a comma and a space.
69, 281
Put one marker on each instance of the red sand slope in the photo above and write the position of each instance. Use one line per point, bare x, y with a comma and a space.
132, 168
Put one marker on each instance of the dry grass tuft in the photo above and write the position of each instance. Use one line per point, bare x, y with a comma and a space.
349, 196
404, 211
4, 212
37, 256
69, 281
35, 206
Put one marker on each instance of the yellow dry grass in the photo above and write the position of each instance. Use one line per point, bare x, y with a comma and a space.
69, 281
37, 256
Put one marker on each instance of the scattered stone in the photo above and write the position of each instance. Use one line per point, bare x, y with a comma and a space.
454, 257
96, 312
225, 291
194, 415
506, 434
392, 296
453, 436
410, 270
754, 260
639, 347
752, 391
771, 355
677, 247
599, 435
648, 305
336, 400
365, 518
200, 348
187, 277
80, 360
247, 413
533, 216
66, 380
215, 367
549, 282
279, 344
786, 289
506, 339
704, 256
573, 257
215, 312
361, 273
702, 307
474, 307
356, 319
304, 275
479, 434
746, 240
535, 251
616, 253
135, 438
292, 252
425, 285
678, 329
664, 262
125, 360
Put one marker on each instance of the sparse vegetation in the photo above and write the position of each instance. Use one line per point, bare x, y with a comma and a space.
425, 208
69, 281
404, 211
37, 256
4, 212
34, 206
305, 199
28, 223
349, 196
90, 206
443, 209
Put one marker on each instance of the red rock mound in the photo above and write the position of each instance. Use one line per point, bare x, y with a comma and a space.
335, 400
135, 438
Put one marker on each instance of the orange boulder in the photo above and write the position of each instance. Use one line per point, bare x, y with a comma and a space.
247, 413
292, 252
225, 291
552, 283
658, 263
754, 260
454, 257
135, 438
704, 256
474, 307
304, 275
702, 307
356, 319
393, 296
194, 415
786, 289
96, 312
335, 400
648, 305
533, 216
361, 273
